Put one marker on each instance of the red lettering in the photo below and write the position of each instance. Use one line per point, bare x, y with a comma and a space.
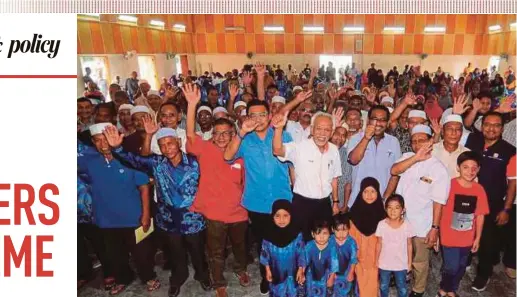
19, 204
40, 256
10, 252
50, 204
5, 204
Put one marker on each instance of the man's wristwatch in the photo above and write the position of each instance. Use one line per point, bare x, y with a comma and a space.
507, 210
435, 227
335, 201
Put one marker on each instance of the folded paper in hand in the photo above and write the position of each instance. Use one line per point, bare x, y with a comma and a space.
141, 235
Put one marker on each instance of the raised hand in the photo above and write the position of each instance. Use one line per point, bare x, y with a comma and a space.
302, 96
337, 115
170, 92
435, 125
370, 130
234, 91
248, 125
314, 72
192, 94
260, 68
460, 105
279, 120
476, 104
113, 137
149, 125
371, 96
409, 99
424, 152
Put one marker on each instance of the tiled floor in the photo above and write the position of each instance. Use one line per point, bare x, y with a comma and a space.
500, 285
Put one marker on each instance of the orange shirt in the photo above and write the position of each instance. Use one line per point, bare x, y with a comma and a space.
458, 222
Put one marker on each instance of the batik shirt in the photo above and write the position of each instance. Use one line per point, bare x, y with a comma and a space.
347, 256
284, 263
84, 191
404, 138
176, 188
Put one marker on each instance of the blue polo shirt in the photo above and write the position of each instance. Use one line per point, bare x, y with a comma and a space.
116, 201
267, 179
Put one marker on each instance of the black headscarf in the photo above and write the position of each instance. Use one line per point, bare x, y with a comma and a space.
282, 237
366, 216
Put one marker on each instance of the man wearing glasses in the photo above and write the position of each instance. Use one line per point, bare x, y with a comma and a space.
372, 152
267, 178
219, 194
492, 176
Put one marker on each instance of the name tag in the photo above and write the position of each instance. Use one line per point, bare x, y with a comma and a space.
236, 166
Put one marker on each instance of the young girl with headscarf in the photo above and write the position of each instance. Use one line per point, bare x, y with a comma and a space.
283, 253
366, 213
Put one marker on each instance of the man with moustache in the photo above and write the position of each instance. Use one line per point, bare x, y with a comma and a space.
317, 166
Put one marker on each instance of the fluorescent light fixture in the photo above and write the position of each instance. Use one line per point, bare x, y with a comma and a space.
313, 29
179, 26
395, 29
434, 29
234, 28
494, 28
513, 25
353, 29
157, 23
128, 18
274, 28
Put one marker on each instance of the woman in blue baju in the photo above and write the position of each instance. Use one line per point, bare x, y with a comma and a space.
283, 253
322, 262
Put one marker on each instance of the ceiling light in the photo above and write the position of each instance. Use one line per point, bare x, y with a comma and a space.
494, 28
313, 29
434, 29
353, 29
274, 28
128, 18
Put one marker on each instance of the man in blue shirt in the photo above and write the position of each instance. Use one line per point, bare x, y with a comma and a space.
267, 179
120, 204
177, 176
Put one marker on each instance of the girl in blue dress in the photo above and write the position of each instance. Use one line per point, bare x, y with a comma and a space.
283, 253
322, 262
347, 255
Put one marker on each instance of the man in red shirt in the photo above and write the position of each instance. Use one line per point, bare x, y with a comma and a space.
219, 194
509, 249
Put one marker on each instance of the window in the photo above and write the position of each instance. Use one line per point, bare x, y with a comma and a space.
147, 71
177, 61
494, 61
337, 62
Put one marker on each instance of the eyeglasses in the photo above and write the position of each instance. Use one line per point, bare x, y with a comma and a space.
379, 120
224, 134
261, 115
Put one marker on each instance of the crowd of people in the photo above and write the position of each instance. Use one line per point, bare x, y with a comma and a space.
343, 185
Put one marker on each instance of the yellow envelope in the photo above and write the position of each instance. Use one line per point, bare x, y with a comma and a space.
141, 235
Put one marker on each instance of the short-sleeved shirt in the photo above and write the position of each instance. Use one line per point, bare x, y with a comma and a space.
403, 137
458, 222
510, 171
116, 201
298, 133
376, 162
492, 175
220, 185
422, 184
394, 256
314, 171
450, 160
267, 178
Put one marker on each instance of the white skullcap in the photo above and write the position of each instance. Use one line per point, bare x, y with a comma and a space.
125, 106
453, 118
296, 88
219, 109
96, 129
239, 103
415, 113
153, 92
205, 108
142, 81
243, 112
139, 108
387, 99
278, 99
421, 129
445, 114
166, 132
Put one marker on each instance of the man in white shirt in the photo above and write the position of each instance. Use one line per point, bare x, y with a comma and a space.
424, 183
448, 150
317, 166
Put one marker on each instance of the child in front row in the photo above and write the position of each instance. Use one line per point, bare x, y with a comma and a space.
347, 255
461, 223
322, 262
394, 247
283, 253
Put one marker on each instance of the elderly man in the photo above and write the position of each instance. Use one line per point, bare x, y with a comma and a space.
448, 150
219, 195
492, 176
344, 182
372, 152
276, 104
205, 121
403, 119
120, 204
267, 179
176, 175
424, 184
317, 166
